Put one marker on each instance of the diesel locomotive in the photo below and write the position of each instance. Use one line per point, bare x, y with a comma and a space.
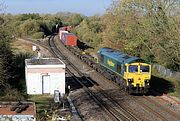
131, 72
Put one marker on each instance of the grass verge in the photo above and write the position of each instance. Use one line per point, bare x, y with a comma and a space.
43, 104
165, 85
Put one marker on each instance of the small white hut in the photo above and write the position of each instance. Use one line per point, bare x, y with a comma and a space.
45, 75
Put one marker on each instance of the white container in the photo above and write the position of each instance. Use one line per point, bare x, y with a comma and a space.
60, 33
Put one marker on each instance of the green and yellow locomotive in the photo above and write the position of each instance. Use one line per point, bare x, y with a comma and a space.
132, 72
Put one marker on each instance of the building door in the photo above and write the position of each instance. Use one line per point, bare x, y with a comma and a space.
45, 84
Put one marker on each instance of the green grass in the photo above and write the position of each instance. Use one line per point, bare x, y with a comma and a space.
176, 93
21, 46
165, 85
42, 102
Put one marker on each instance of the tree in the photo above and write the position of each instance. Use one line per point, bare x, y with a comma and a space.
148, 29
29, 27
24, 17
75, 19
5, 58
89, 31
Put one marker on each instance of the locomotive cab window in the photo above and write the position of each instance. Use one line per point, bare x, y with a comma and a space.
133, 68
144, 68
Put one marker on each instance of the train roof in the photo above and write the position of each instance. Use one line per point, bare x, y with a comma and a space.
118, 55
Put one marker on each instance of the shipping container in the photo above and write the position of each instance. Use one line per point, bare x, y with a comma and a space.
69, 39
61, 32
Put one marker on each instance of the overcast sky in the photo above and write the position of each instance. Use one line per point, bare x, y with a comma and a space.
86, 7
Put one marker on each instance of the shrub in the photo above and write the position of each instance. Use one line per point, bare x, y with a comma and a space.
38, 35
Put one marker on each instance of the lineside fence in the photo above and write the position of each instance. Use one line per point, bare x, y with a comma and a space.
167, 72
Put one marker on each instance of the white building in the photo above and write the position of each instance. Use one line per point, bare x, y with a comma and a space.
44, 76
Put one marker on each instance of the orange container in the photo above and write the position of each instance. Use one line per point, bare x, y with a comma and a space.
69, 39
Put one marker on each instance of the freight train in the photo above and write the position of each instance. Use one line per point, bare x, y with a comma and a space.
67, 38
130, 72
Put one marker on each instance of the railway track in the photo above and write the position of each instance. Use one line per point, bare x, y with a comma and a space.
160, 114
119, 112
149, 104
114, 110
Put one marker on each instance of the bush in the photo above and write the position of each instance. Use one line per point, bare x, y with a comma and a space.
38, 35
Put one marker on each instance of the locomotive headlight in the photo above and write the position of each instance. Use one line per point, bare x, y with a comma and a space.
147, 81
130, 80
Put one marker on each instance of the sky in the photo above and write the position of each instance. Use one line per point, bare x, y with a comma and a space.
85, 7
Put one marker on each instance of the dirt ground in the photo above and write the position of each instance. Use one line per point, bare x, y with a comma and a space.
23, 46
